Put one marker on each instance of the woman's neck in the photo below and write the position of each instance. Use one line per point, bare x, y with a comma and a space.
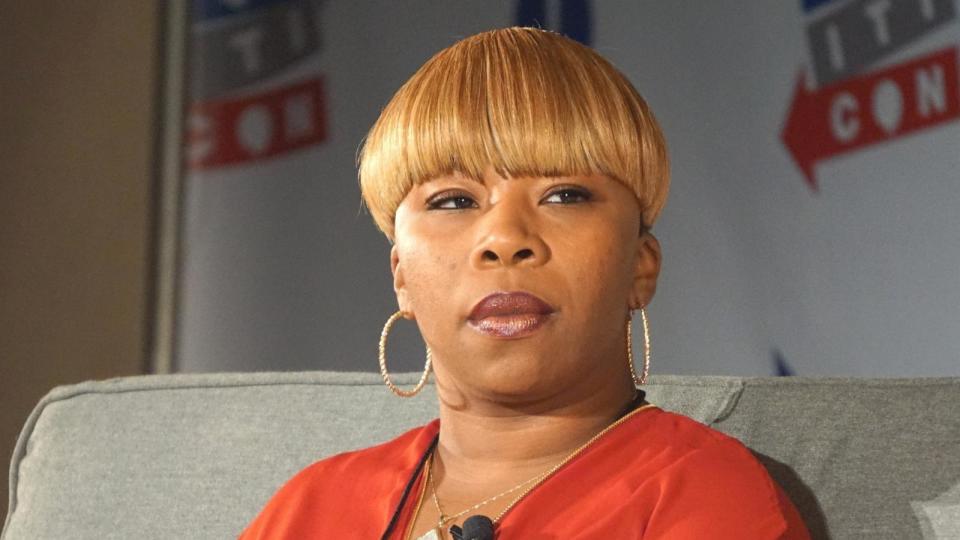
482, 443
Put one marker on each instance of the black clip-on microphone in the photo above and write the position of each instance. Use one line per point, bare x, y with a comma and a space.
474, 528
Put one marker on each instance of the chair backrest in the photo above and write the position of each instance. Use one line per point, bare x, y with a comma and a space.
196, 456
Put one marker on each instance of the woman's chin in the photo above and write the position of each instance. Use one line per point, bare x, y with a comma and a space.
516, 380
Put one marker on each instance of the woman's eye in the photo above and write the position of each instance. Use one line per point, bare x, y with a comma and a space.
452, 202
568, 195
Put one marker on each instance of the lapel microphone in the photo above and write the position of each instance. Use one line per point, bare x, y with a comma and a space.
474, 528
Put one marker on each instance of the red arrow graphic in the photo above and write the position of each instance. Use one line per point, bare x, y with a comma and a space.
870, 109
254, 127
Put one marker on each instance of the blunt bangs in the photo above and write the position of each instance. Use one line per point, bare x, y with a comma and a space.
527, 101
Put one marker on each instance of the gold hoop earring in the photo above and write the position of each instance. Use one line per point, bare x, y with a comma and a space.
383, 363
639, 380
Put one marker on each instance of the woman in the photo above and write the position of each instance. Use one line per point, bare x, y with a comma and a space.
518, 174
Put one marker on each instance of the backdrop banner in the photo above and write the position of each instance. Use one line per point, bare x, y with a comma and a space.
813, 224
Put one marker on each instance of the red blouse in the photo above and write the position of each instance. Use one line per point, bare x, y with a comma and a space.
656, 475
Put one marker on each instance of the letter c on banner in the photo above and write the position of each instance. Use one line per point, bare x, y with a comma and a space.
844, 123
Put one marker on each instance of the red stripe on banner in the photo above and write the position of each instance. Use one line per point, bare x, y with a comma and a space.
257, 127
870, 109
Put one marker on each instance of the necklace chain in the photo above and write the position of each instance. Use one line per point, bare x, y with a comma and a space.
445, 518
532, 482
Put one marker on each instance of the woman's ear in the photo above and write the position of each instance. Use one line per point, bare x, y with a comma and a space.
399, 284
646, 269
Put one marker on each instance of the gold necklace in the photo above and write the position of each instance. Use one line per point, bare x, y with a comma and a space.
535, 481
445, 518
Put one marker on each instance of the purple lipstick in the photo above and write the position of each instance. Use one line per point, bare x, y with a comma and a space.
509, 314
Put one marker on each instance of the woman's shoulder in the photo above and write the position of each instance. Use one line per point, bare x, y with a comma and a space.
705, 477
680, 436
340, 482
674, 445
682, 428
392, 455
389, 458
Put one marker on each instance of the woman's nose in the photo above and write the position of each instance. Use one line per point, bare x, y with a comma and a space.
509, 239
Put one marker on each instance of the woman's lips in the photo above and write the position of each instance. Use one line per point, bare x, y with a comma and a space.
509, 315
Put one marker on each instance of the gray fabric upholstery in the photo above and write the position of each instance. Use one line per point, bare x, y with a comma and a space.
196, 456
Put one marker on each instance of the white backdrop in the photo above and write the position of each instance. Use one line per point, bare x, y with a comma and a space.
853, 268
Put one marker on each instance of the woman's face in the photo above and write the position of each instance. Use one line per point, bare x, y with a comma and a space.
571, 241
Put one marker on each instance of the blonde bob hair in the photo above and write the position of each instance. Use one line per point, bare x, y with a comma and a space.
527, 101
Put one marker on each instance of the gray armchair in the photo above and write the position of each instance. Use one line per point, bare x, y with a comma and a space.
197, 456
